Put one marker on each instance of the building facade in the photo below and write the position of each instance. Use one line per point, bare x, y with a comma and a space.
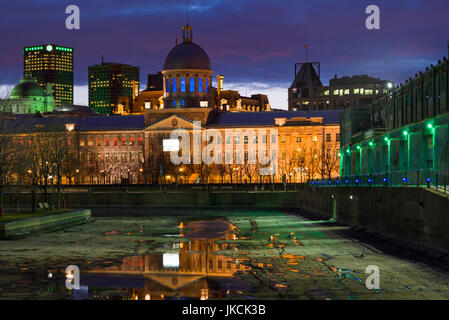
308, 93
403, 132
53, 64
109, 83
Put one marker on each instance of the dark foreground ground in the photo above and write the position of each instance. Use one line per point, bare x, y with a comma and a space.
264, 254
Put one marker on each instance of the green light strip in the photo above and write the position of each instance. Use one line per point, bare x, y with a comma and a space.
34, 48
41, 48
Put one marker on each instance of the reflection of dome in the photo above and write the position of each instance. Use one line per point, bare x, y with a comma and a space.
27, 88
187, 55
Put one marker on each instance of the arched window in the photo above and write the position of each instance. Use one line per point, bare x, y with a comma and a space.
207, 85
167, 85
183, 84
174, 85
192, 84
200, 85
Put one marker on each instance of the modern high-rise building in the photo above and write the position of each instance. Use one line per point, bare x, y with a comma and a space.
110, 81
308, 93
51, 63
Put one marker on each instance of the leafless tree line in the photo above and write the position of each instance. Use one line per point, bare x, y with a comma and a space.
39, 158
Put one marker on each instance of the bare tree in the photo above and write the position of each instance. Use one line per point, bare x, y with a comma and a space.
6, 156
329, 159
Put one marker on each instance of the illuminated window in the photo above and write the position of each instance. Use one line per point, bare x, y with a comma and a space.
167, 85
346, 91
207, 85
200, 85
192, 84
298, 139
140, 141
183, 84
174, 85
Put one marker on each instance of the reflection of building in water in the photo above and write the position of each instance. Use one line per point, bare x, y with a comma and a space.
183, 271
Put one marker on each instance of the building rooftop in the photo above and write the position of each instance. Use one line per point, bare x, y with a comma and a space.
28, 123
240, 119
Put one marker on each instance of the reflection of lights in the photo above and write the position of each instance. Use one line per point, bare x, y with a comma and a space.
181, 225
70, 126
147, 297
204, 294
137, 297
234, 237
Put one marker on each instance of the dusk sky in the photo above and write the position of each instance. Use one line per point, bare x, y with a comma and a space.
253, 43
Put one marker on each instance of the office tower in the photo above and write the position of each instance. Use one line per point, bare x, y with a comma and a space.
51, 63
110, 81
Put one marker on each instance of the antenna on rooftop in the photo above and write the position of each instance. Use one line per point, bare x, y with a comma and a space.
187, 12
307, 52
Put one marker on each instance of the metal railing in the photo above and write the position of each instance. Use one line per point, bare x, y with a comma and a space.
416, 178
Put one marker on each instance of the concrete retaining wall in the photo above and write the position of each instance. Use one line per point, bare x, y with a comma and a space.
416, 214
21, 228
419, 215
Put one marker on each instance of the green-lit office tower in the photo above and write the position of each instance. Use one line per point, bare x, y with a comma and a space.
110, 81
51, 63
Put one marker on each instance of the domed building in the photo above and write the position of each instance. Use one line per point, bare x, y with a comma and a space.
187, 75
29, 97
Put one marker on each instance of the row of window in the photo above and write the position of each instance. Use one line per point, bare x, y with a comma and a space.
172, 85
100, 141
113, 156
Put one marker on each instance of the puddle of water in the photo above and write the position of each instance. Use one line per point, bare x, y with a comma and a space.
183, 271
